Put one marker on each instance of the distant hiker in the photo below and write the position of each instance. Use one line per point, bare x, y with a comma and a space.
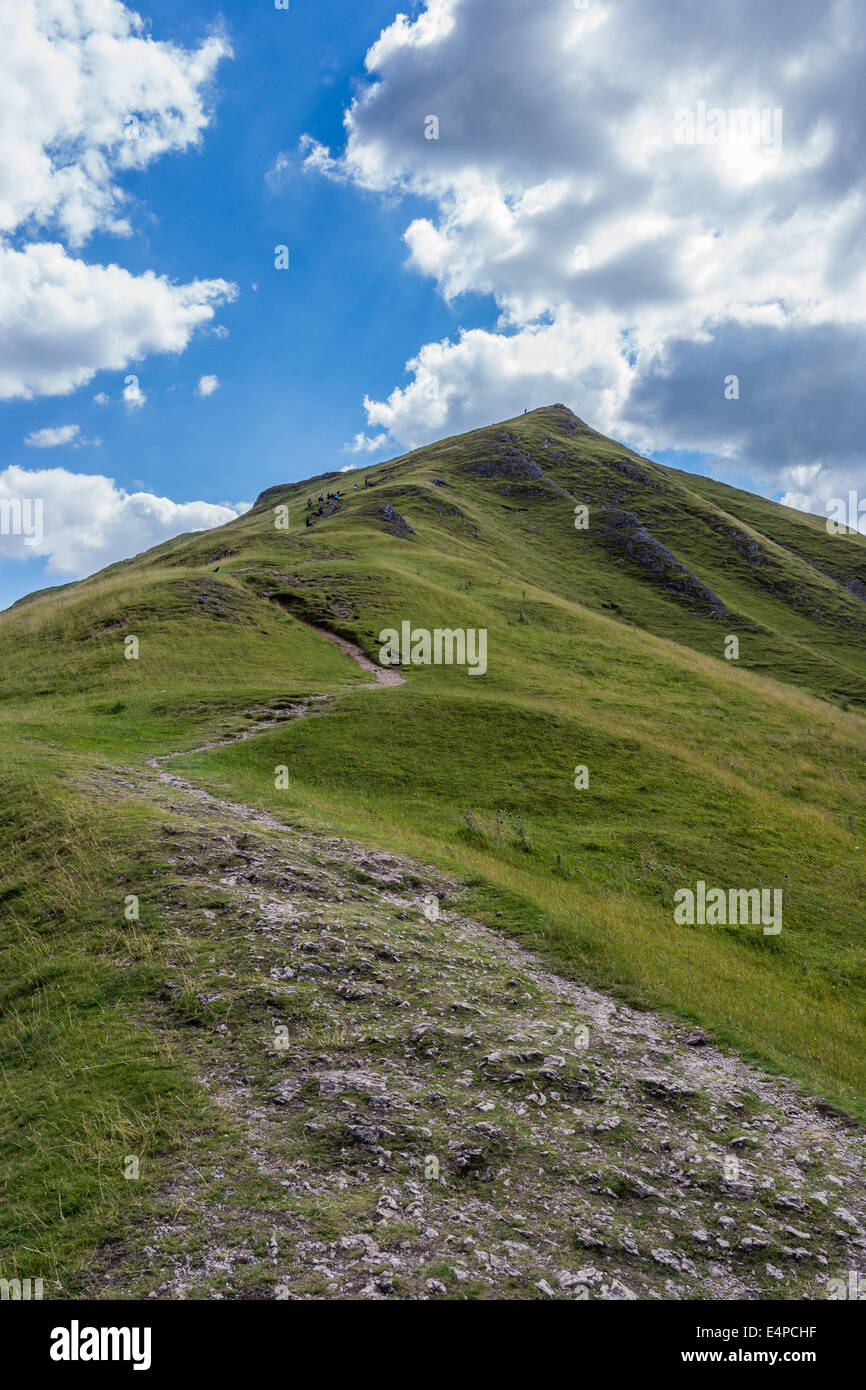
321, 498
309, 521
356, 487
309, 502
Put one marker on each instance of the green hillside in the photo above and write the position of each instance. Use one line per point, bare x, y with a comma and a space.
605, 650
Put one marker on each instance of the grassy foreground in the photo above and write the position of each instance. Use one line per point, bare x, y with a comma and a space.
740, 772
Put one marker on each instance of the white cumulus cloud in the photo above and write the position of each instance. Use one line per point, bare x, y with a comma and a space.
52, 438
62, 320
87, 521
88, 94
632, 271
366, 444
207, 385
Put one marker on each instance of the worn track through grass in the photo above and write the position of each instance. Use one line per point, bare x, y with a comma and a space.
408, 1105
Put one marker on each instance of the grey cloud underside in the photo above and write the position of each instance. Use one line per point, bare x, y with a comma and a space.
798, 401
701, 262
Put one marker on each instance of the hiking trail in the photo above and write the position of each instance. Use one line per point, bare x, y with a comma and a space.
409, 1104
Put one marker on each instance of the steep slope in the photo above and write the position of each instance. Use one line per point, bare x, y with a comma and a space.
662, 551
605, 650
410, 1106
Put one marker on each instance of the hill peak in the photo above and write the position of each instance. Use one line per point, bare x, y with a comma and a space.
554, 417
562, 417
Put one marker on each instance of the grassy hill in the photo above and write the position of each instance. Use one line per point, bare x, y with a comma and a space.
605, 649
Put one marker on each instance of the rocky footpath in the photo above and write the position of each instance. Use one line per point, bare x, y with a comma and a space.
408, 1105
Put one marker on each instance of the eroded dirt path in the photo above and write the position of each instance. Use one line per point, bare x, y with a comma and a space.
384, 675
410, 1105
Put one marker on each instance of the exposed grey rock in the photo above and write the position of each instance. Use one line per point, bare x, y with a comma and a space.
335, 1083
633, 472
368, 1116
505, 462
624, 534
395, 524
666, 1088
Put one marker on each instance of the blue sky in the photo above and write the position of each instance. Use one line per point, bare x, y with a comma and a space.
444, 254
306, 346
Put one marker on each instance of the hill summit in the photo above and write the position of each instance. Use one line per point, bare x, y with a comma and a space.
345, 852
